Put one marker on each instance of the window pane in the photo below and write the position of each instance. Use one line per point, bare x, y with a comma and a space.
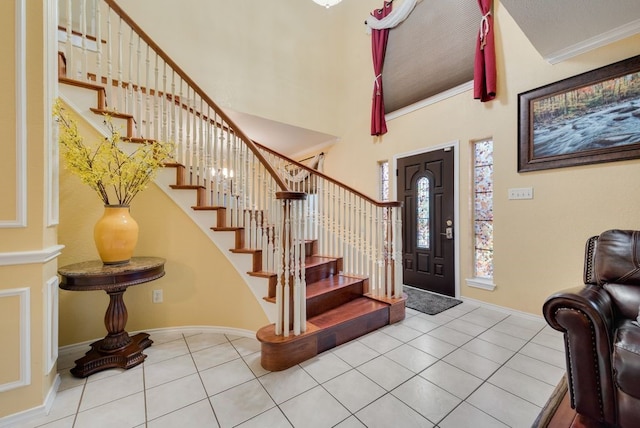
384, 181
484, 206
484, 264
422, 217
483, 209
484, 153
484, 235
484, 179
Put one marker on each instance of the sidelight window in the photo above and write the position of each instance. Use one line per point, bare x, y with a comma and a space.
483, 209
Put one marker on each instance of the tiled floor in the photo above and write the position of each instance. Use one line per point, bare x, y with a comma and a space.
466, 367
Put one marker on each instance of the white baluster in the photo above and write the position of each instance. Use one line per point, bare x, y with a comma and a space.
83, 37
98, 25
110, 91
147, 96
166, 99
137, 108
121, 86
279, 271
69, 42
178, 108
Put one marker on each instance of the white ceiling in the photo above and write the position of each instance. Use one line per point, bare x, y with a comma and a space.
291, 141
561, 29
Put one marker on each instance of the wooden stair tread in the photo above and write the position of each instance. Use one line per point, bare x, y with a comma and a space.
317, 260
312, 262
263, 274
80, 84
330, 284
112, 113
186, 186
347, 312
226, 229
245, 250
207, 208
139, 140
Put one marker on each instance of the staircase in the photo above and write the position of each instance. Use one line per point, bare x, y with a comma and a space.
335, 284
339, 307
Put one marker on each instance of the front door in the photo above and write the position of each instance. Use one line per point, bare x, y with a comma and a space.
425, 185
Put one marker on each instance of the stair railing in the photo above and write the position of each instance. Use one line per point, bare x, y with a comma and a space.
348, 224
101, 44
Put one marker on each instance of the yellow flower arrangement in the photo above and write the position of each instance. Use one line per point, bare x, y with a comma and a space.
113, 174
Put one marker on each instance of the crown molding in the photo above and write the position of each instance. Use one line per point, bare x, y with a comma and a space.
592, 43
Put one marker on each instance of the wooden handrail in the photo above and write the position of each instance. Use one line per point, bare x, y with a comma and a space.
144, 36
383, 204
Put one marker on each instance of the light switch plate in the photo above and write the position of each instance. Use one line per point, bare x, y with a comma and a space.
521, 193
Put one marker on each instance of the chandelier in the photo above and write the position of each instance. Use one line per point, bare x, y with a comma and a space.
327, 3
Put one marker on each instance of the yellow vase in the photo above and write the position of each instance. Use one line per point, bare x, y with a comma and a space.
116, 235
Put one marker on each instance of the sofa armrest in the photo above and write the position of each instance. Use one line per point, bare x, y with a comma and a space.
586, 317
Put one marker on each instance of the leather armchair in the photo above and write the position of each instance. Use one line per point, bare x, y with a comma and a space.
602, 339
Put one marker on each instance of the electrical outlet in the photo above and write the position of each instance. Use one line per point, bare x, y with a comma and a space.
156, 297
521, 193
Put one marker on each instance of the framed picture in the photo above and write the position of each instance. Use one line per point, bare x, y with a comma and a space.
589, 118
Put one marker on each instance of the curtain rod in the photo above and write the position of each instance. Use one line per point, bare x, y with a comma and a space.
380, 10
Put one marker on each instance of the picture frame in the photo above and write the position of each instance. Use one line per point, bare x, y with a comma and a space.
589, 118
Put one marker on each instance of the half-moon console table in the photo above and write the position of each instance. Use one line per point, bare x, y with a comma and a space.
117, 349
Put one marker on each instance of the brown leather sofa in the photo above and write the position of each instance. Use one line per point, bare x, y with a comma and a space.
602, 339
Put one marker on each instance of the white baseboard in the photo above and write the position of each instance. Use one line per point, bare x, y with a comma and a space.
16, 419
502, 309
192, 329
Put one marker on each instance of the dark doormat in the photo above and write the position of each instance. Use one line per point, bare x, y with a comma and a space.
427, 302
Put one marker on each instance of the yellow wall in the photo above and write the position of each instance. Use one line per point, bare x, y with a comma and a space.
28, 279
538, 243
200, 286
281, 60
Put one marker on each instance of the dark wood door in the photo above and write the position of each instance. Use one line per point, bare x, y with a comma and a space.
425, 185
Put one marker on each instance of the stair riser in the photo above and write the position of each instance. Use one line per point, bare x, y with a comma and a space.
282, 354
311, 247
342, 333
327, 301
322, 271
313, 274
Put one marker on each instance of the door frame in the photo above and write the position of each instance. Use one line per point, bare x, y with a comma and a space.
393, 185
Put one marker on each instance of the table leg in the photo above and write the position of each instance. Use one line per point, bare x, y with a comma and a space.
117, 349
115, 320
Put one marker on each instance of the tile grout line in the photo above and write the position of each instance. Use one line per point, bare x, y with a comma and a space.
402, 342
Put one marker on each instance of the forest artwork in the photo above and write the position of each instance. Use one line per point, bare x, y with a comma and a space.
602, 115
589, 118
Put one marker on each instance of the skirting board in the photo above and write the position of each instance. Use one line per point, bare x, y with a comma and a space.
502, 309
39, 411
67, 349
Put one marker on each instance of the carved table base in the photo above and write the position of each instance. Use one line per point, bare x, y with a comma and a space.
124, 358
117, 349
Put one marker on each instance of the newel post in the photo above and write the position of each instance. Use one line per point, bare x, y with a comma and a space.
290, 255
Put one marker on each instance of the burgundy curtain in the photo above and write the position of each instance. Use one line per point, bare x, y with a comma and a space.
484, 73
378, 48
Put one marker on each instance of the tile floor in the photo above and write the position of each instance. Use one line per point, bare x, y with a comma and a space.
467, 367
